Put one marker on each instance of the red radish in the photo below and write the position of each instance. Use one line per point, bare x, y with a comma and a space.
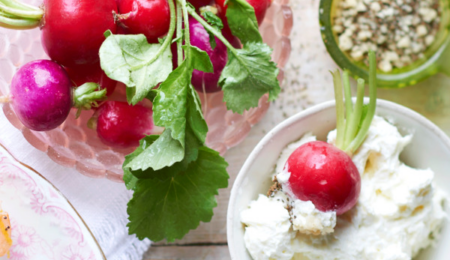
199, 3
121, 125
41, 95
324, 173
72, 30
260, 7
91, 73
149, 17
219, 56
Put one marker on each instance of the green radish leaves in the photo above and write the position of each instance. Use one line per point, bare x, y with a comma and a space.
126, 58
215, 22
242, 21
248, 75
171, 207
249, 72
174, 176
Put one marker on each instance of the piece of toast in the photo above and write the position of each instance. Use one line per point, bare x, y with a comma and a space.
5, 233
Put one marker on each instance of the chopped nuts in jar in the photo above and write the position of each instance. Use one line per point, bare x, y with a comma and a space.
399, 30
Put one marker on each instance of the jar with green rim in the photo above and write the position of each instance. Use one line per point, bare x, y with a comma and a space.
435, 59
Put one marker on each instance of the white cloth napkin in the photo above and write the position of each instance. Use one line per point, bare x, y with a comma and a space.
100, 202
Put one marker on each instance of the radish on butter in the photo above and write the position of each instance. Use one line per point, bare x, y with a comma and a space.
324, 173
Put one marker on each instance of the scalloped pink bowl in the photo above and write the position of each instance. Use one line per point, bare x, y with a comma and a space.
73, 144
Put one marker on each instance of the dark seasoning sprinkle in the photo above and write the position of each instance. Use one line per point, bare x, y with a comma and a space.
399, 30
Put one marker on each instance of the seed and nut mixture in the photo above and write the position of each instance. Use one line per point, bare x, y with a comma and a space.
399, 30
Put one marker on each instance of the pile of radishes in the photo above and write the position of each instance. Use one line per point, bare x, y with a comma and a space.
42, 92
162, 51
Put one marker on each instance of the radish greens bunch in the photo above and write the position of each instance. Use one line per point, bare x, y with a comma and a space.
174, 175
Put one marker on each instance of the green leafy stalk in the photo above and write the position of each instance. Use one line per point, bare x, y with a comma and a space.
8, 7
187, 36
355, 117
17, 23
347, 98
15, 15
359, 139
214, 21
86, 96
19, 5
248, 74
340, 120
179, 34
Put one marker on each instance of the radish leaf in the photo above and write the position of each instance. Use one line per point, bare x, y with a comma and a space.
124, 58
242, 21
164, 151
215, 22
248, 75
170, 208
199, 59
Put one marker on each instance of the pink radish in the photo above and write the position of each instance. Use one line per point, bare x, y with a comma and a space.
42, 95
200, 38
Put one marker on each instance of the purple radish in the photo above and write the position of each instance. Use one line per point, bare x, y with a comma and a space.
42, 95
202, 81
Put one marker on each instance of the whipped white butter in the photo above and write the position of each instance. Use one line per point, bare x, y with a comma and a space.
399, 211
267, 235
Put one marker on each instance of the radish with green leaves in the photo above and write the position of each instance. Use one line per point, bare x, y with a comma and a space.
42, 95
324, 173
176, 167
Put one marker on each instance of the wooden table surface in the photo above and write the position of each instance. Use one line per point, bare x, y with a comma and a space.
307, 82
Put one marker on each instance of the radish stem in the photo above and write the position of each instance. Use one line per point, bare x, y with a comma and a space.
187, 36
359, 139
179, 34
348, 104
216, 33
33, 14
19, 5
18, 24
86, 96
355, 118
340, 126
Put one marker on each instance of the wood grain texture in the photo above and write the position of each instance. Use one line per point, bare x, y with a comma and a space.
188, 253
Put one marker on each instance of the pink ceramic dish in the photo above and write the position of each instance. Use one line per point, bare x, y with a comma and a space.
44, 225
75, 145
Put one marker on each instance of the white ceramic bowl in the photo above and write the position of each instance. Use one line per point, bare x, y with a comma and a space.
430, 148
